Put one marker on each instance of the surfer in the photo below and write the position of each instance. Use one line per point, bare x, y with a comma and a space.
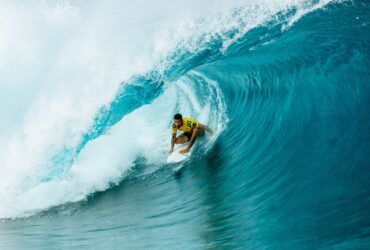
191, 128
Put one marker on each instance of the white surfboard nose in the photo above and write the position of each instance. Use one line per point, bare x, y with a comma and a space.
176, 156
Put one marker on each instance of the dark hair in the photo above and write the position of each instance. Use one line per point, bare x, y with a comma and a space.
177, 117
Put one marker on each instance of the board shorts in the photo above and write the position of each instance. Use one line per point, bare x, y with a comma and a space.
188, 135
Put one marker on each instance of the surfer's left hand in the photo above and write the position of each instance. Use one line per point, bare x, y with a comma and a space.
184, 150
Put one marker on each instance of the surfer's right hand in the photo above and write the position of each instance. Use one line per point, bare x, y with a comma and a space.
171, 150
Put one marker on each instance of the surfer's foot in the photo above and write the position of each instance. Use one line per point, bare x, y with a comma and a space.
185, 150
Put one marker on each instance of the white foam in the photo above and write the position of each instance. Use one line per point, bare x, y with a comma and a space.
144, 133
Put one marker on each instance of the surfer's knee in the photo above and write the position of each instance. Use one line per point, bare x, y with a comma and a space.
177, 140
181, 139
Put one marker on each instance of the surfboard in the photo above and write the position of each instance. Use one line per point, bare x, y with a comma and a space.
176, 156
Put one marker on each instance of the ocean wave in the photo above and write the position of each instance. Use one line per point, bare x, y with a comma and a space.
80, 138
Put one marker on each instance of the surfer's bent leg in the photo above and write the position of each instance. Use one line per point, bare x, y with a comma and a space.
181, 139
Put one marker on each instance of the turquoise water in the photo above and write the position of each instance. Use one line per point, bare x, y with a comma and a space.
289, 98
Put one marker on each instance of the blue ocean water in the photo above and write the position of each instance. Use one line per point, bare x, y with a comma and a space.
289, 167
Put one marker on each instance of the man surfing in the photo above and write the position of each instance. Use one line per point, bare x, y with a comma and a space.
191, 129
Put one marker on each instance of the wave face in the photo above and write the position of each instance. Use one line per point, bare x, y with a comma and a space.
285, 86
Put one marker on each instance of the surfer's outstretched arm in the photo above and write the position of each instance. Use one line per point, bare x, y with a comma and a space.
206, 128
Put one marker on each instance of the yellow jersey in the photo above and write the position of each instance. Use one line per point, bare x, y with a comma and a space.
188, 125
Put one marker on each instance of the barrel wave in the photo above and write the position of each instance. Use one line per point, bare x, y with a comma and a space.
284, 85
